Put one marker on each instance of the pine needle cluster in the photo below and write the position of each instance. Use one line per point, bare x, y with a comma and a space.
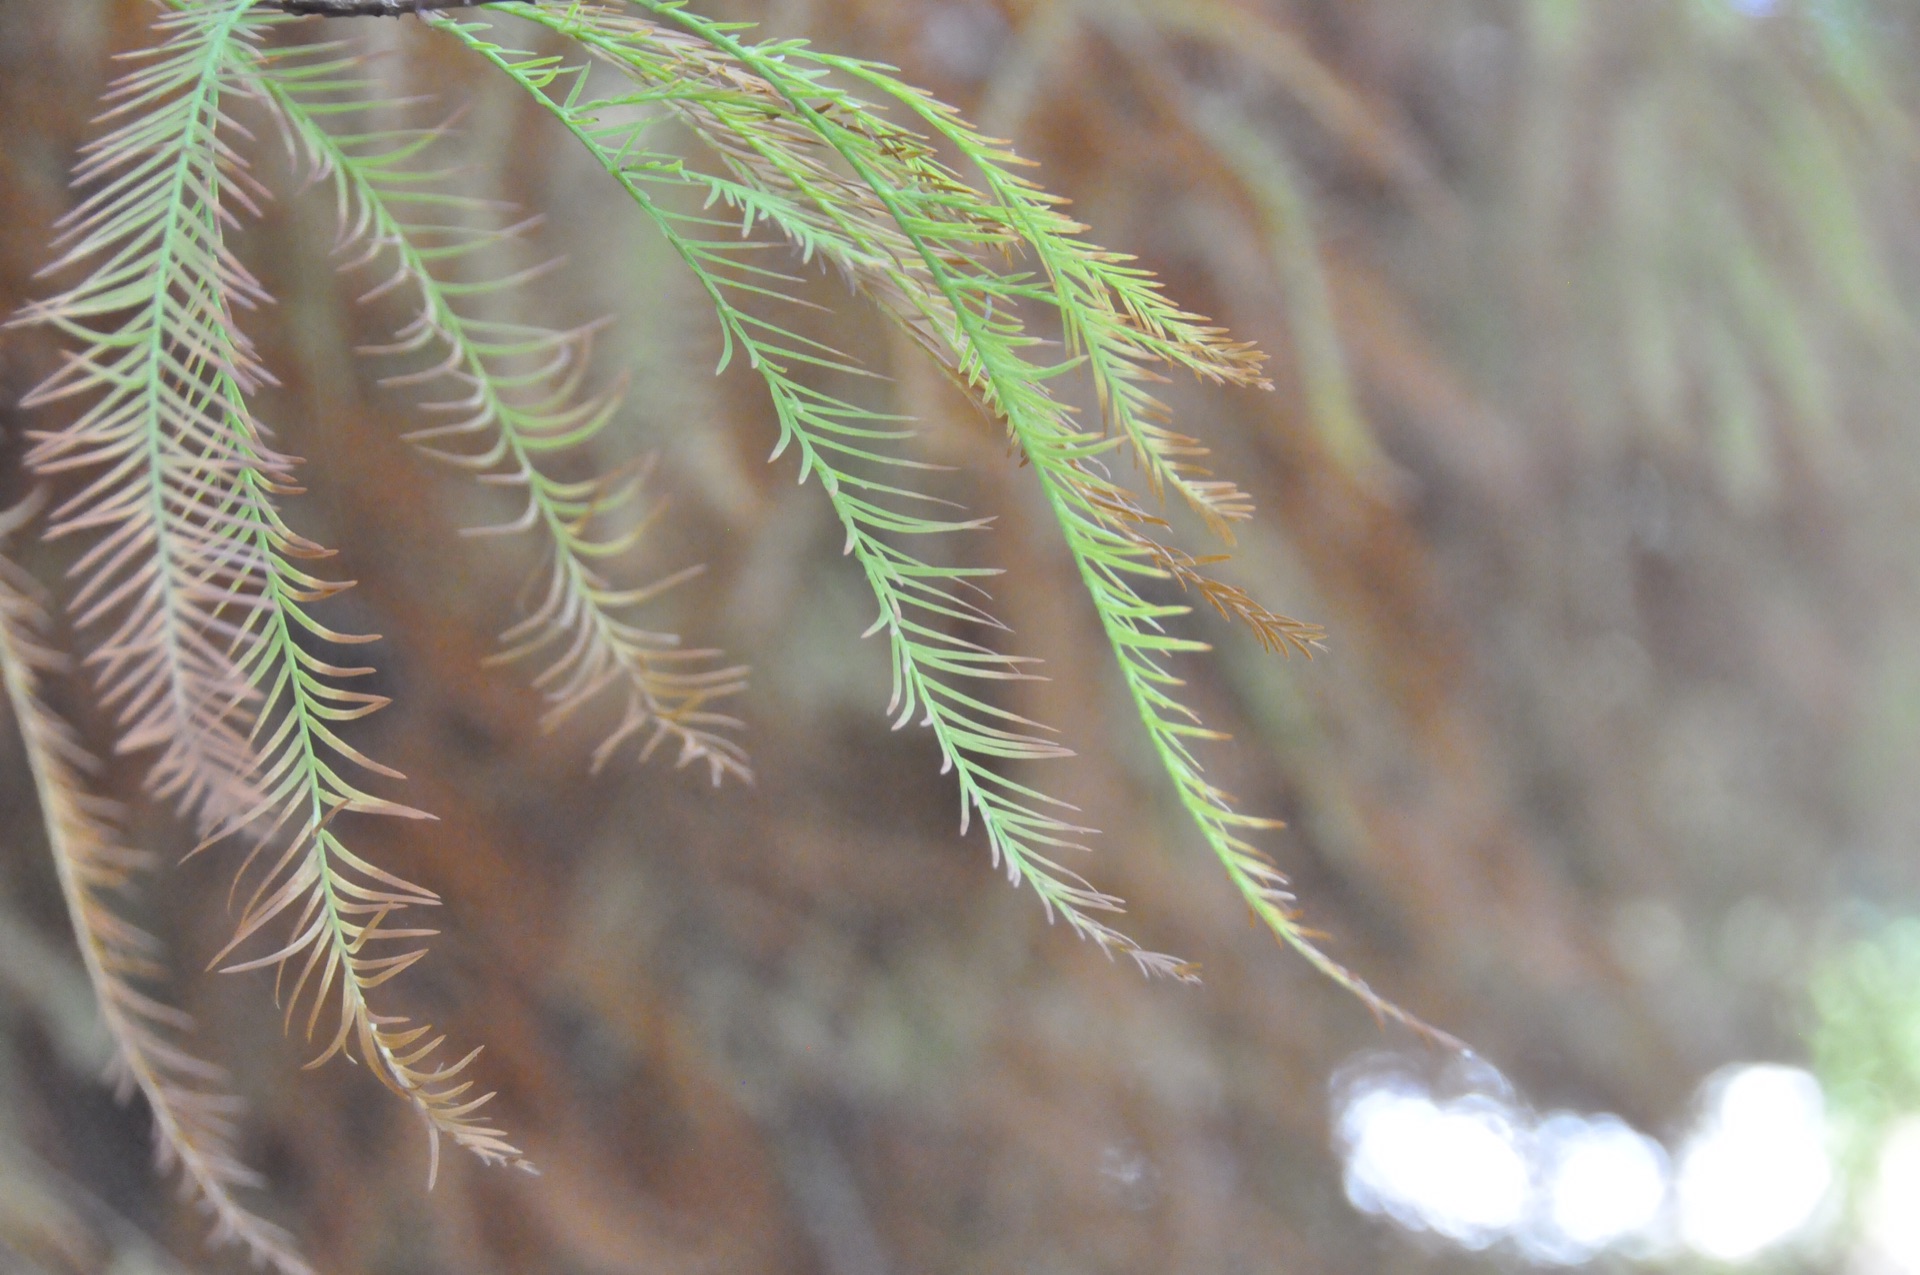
195, 601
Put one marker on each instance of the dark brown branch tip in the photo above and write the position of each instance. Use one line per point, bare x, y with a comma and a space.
370, 8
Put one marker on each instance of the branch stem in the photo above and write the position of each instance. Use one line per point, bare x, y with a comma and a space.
370, 8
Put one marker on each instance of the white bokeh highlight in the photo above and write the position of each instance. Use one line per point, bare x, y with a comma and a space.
1602, 1183
1756, 1171
1478, 1169
1456, 1170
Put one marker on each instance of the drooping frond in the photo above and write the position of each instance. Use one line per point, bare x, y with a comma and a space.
1091, 291
210, 657
1117, 323
176, 464
925, 609
192, 1121
516, 404
336, 904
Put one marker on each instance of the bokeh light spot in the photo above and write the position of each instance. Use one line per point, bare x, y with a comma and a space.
1757, 1169
1602, 1183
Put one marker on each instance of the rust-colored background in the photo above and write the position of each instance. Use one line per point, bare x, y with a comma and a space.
1592, 447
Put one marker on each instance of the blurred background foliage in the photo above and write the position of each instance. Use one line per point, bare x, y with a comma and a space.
1593, 326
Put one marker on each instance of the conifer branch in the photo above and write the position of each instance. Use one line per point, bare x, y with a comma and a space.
205, 593
210, 659
841, 443
1115, 320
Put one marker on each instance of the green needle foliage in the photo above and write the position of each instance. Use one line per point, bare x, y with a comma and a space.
199, 599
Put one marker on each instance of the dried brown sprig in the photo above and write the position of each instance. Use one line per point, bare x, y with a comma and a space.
192, 1118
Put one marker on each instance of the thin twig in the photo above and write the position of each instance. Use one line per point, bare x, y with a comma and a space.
370, 8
